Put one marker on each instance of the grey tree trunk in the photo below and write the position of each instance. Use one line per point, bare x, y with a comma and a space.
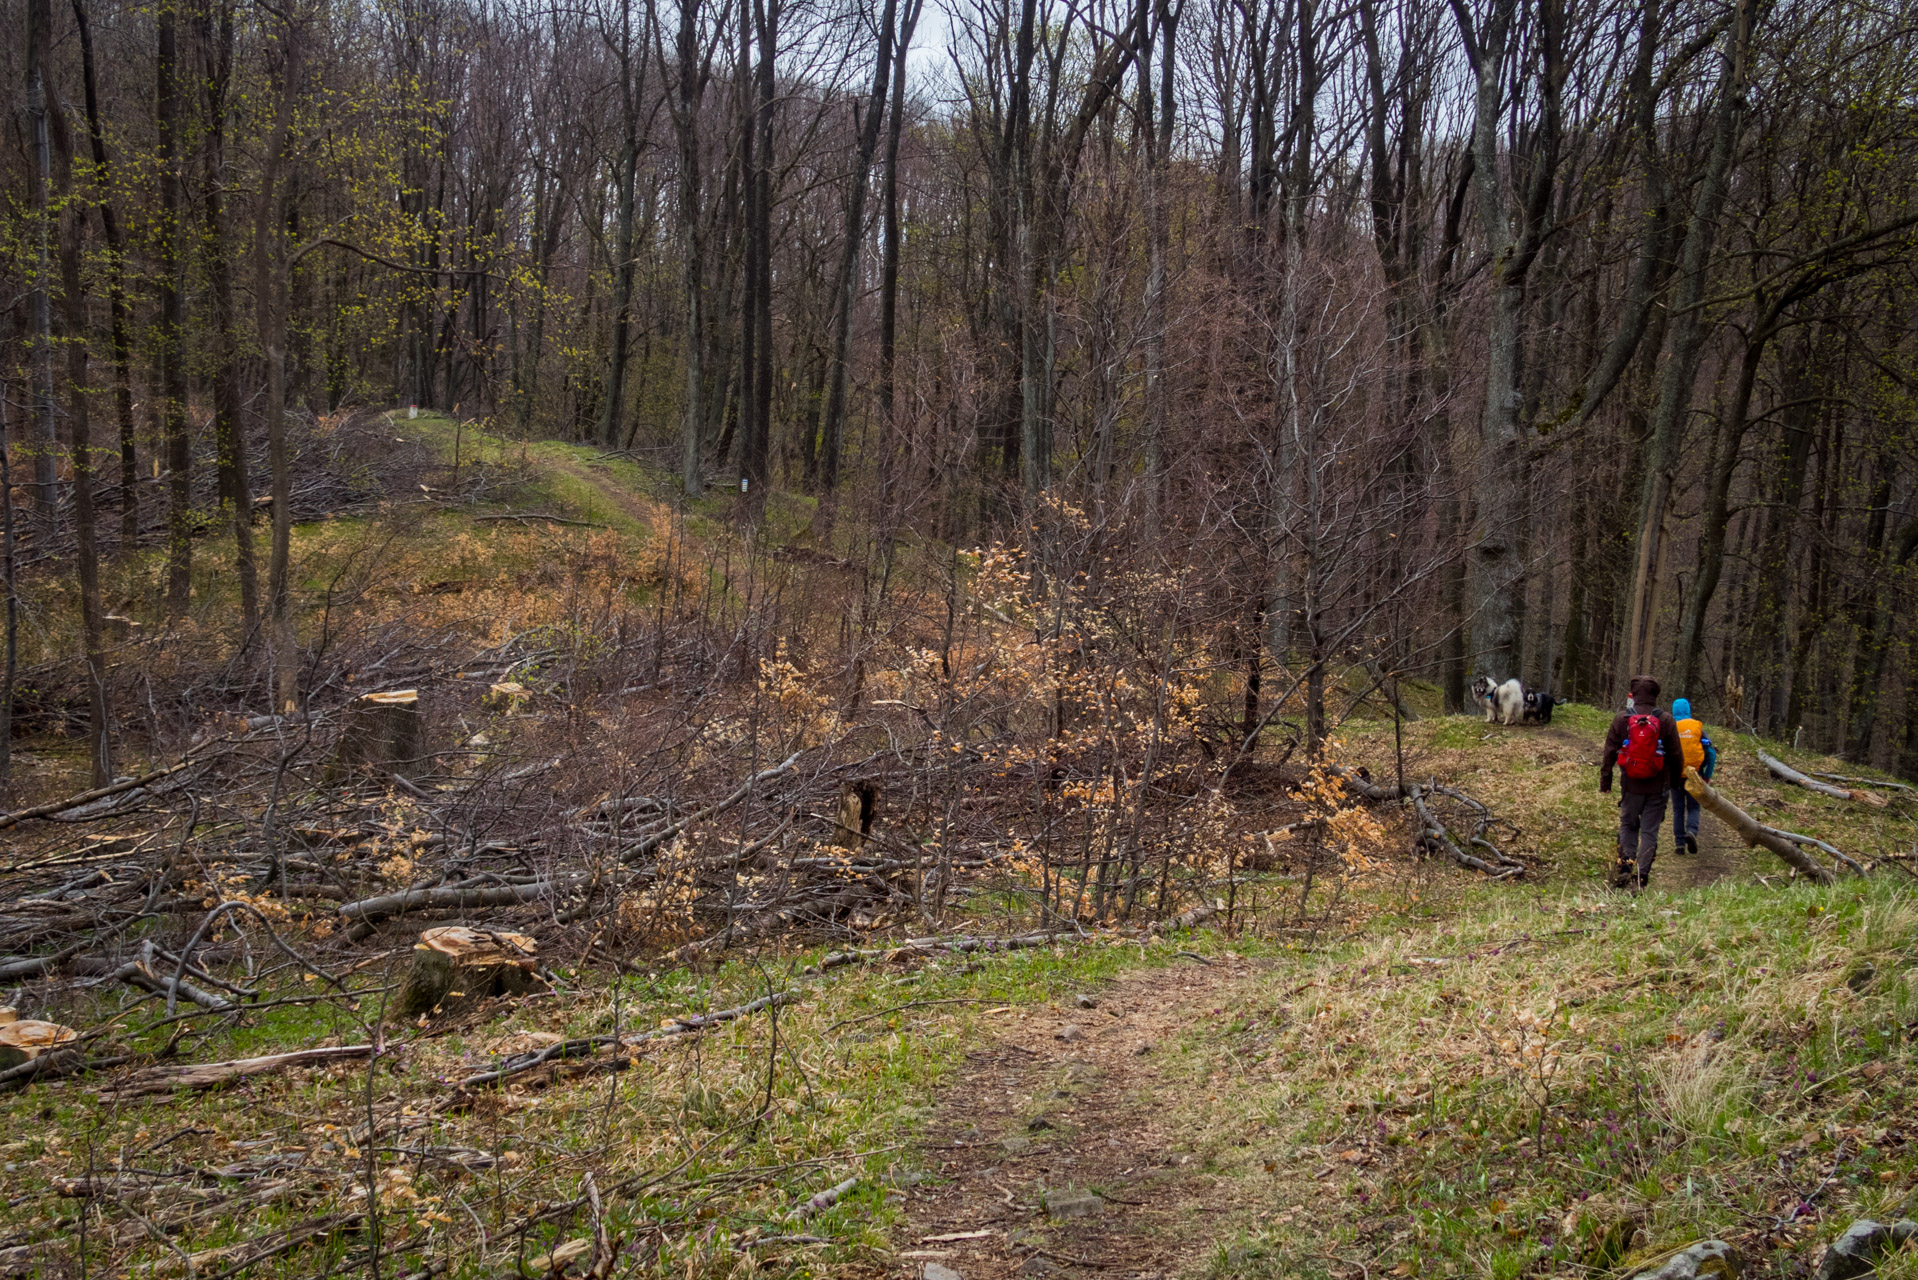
236, 490
39, 296
1688, 339
86, 540
832, 435
269, 299
172, 332
122, 342
1158, 139
1513, 237
685, 107
889, 254
632, 91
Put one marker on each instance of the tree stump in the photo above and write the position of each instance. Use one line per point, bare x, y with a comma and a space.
24, 1039
858, 810
455, 967
385, 732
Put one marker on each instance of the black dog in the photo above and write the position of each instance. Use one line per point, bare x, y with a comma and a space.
1538, 706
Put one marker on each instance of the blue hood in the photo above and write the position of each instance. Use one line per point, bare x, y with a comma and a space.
1681, 709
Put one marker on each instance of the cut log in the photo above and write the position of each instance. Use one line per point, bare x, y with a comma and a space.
1780, 769
455, 967
383, 732
24, 1039
215, 1075
1753, 832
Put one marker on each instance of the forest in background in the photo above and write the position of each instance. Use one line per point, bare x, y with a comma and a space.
1552, 338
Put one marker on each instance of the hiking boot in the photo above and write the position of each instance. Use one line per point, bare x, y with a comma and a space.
1691, 844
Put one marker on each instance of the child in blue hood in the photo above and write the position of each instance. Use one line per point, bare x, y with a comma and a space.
1700, 755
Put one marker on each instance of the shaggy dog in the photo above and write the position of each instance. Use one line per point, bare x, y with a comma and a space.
1504, 703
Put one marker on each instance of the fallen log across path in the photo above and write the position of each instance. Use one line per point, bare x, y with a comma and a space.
1788, 847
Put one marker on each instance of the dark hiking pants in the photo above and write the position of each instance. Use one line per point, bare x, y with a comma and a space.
1639, 818
1684, 818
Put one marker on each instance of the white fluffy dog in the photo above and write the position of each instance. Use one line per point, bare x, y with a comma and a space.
1504, 703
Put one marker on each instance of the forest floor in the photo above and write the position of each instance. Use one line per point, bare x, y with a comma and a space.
1405, 1072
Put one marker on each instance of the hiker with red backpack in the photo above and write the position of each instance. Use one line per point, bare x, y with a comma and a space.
1643, 743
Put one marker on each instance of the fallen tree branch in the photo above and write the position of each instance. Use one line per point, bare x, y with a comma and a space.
652, 842
1755, 833
584, 1045
824, 1200
1880, 783
1786, 773
368, 911
217, 1075
86, 797
927, 946
1365, 786
1435, 835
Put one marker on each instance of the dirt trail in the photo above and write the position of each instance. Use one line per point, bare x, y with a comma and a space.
1038, 1125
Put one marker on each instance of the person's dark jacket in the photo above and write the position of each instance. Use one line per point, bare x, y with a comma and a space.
1673, 776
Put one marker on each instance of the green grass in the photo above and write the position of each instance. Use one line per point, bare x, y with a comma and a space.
1654, 1059
857, 1063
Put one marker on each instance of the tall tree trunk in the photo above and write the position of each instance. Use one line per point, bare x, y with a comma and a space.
121, 313
1514, 237
1711, 538
236, 490
756, 447
1688, 340
86, 541
685, 106
172, 334
39, 296
1035, 452
868, 114
632, 90
889, 253
1157, 133
270, 268
748, 402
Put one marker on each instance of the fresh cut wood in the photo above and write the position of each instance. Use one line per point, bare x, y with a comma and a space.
455, 966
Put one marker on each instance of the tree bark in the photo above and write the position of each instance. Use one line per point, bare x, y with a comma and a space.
1688, 339
869, 114
1513, 237
86, 542
269, 299
121, 313
39, 296
889, 253
236, 490
1713, 530
632, 93
171, 338
687, 93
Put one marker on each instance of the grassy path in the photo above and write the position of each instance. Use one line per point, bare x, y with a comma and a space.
1059, 1150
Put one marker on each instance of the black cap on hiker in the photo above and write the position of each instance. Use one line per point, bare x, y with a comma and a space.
1644, 689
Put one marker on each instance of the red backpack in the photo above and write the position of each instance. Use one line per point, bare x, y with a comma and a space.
1643, 753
